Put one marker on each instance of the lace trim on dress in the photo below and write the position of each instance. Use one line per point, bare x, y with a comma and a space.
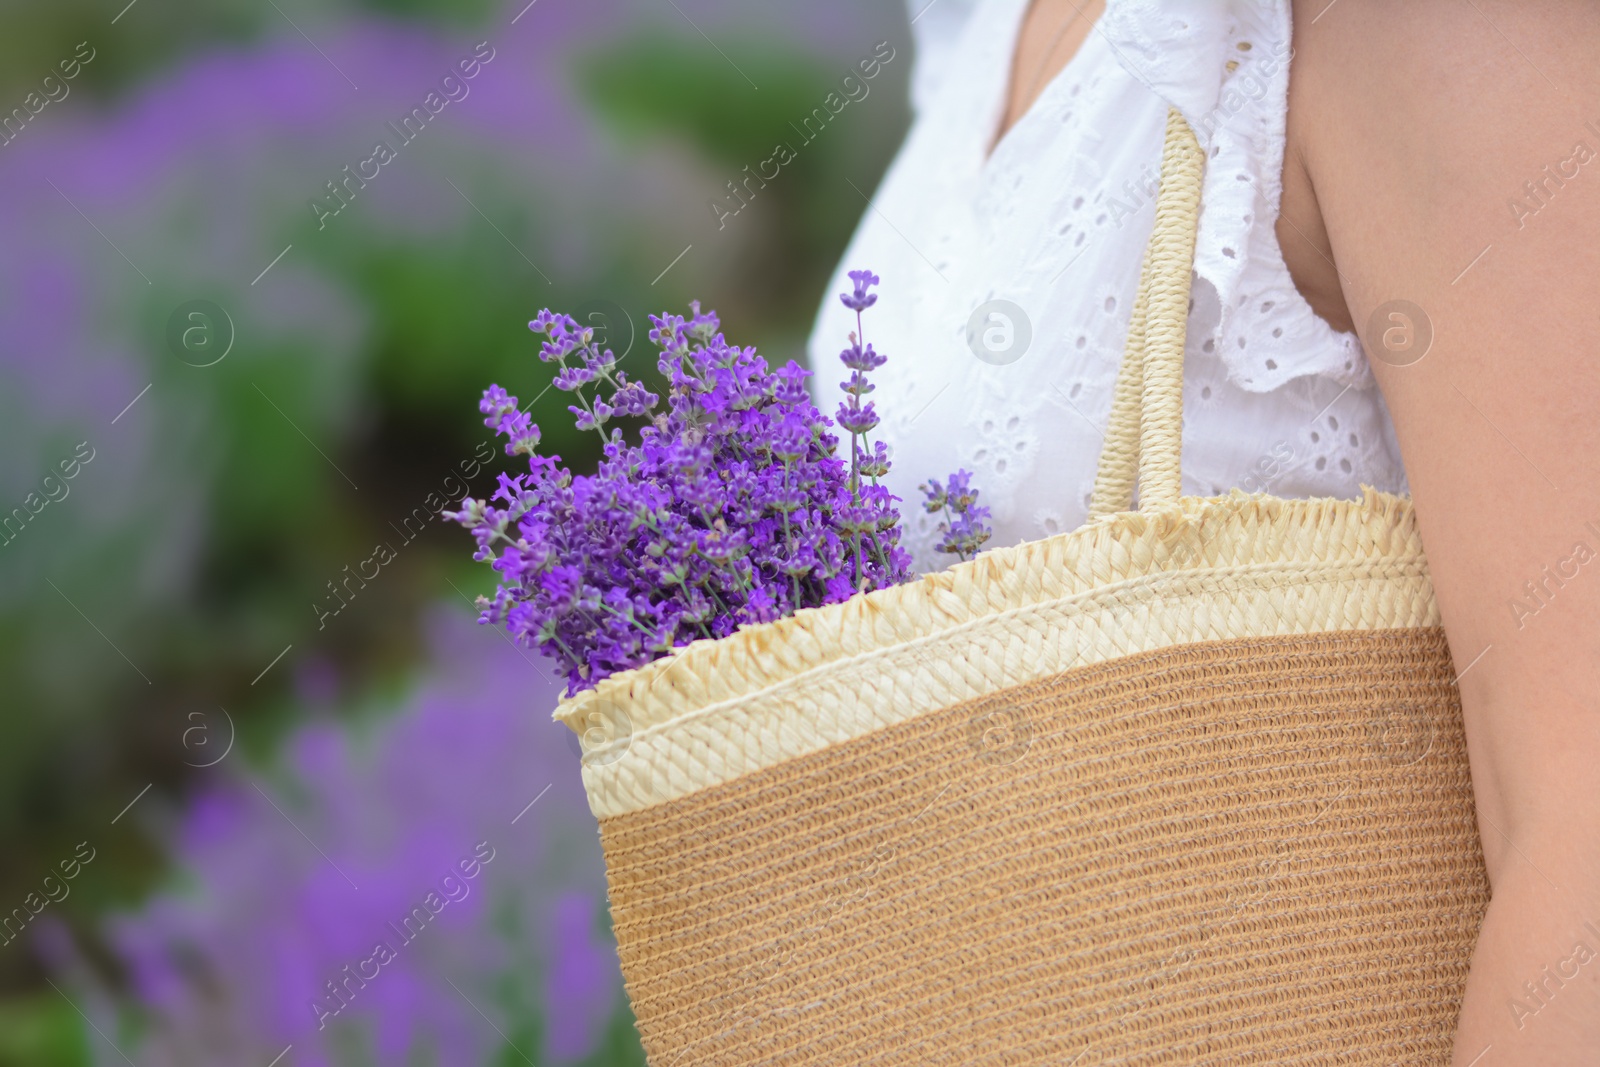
1225, 64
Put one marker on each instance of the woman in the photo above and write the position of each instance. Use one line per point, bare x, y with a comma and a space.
1398, 251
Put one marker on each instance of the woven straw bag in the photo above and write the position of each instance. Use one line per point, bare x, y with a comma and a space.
1187, 785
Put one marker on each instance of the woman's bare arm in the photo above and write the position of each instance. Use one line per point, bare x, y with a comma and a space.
1446, 153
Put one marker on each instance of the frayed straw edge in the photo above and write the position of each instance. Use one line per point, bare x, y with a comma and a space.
1116, 547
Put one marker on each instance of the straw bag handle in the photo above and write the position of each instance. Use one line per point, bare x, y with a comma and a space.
1144, 437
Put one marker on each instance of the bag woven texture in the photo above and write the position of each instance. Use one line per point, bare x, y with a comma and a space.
1187, 785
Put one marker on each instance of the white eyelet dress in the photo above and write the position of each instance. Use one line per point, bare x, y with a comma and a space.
1007, 282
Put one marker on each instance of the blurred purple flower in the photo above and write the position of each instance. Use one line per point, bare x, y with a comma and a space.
579, 986
233, 964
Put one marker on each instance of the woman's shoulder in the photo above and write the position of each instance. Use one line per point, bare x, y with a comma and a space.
1420, 136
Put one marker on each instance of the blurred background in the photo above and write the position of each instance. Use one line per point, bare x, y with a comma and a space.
249, 727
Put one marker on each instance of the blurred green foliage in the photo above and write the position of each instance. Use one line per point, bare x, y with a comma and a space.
651, 84
42, 1030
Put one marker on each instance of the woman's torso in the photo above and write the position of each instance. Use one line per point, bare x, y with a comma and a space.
1008, 279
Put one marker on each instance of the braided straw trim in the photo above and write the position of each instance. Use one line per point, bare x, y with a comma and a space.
1235, 566
1171, 252
1119, 456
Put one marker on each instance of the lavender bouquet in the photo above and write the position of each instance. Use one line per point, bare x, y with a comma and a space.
733, 508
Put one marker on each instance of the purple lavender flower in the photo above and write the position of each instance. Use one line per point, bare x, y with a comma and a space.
965, 528
732, 509
858, 420
872, 523
861, 359
859, 300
